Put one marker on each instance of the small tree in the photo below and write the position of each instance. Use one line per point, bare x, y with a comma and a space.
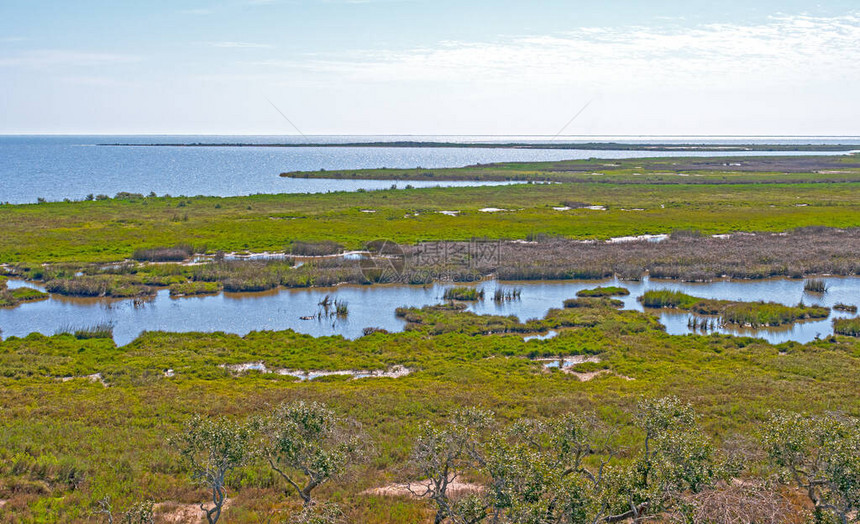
211, 449
307, 445
821, 454
440, 454
677, 458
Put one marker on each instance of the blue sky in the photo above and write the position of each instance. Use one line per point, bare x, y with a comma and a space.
430, 67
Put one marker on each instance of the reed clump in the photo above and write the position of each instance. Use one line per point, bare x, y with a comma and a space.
507, 295
332, 307
100, 330
177, 253
463, 293
815, 285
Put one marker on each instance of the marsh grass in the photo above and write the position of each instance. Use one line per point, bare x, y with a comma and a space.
607, 291
13, 297
593, 302
186, 289
753, 314
100, 330
664, 298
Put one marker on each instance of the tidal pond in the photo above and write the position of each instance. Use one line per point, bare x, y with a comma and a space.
373, 306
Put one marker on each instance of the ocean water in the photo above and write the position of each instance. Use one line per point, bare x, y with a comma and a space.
58, 167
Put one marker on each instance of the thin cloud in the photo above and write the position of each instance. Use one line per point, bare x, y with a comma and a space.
779, 49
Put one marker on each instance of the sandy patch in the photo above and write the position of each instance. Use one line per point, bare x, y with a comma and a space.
585, 376
95, 377
565, 363
456, 489
176, 513
491, 209
392, 372
650, 238
449, 213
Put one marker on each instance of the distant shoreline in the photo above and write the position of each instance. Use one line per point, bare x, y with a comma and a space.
589, 146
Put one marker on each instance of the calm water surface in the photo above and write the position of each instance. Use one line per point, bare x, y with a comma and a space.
58, 167
373, 306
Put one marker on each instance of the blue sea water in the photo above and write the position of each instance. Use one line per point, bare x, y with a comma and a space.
58, 167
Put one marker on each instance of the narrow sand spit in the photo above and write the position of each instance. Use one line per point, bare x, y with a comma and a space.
456, 489
176, 513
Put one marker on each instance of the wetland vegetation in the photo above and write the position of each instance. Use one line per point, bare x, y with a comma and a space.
680, 425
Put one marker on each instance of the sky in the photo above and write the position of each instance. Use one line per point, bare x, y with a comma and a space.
425, 67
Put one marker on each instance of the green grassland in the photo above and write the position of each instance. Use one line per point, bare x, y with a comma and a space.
113, 229
66, 444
